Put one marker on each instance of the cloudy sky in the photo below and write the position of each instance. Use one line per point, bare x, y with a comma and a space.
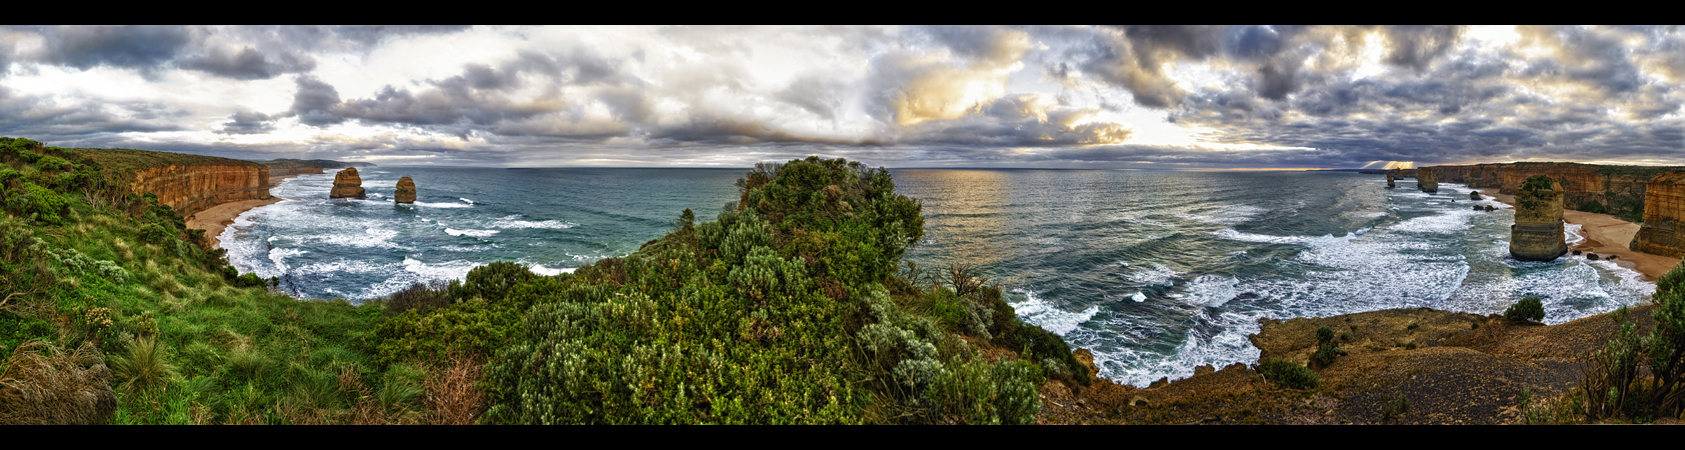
950, 96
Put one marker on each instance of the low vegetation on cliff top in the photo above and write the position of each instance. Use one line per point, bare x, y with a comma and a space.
788, 309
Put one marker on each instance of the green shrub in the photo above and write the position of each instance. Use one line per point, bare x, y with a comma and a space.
1592, 206
1324, 335
1286, 374
491, 282
1528, 308
1324, 356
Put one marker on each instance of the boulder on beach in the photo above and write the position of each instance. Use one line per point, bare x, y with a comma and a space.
1474, 195
347, 184
405, 192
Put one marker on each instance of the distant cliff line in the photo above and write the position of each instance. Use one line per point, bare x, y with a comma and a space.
193, 183
1651, 195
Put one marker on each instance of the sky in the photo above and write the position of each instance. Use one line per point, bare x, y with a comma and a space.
1101, 97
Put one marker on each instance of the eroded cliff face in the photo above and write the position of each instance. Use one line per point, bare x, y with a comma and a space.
193, 188
347, 184
1537, 234
1663, 232
1616, 190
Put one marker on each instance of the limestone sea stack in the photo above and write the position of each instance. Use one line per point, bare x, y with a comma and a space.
1426, 181
405, 192
347, 184
1663, 232
1537, 233
1390, 183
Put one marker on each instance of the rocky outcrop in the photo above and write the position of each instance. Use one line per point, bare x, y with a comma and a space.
1537, 232
347, 184
1663, 232
405, 192
1390, 183
1474, 195
1426, 180
1616, 190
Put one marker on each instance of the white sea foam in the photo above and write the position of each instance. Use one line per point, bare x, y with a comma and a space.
1446, 222
1138, 297
442, 205
1049, 317
464, 200
1571, 233
514, 221
1159, 275
474, 233
1212, 290
546, 271
1309, 241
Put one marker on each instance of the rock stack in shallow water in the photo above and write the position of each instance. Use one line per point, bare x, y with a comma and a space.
1474, 195
347, 184
1426, 181
1390, 183
1537, 233
405, 192
1663, 232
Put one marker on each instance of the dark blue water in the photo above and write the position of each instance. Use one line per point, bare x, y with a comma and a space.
1155, 271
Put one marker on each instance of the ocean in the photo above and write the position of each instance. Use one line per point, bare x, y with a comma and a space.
1156, 272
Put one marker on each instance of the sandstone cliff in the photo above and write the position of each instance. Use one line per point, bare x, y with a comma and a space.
188, 183
1427, 180
1537, 234
347, 184
1664, 217
405, 192
1616, 190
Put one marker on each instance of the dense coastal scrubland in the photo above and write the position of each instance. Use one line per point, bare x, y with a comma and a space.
792, 306
789, 309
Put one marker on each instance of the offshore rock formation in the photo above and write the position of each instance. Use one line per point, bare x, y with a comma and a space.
1474, 195
1390, 183
1537, 233
1663, 232
1426, 180
347, 184
405, 192
1615, 190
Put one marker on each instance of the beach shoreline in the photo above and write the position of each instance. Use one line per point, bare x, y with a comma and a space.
217, 218
1606, 235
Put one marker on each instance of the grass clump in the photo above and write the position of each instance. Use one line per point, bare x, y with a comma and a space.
1286, 374
1529, 308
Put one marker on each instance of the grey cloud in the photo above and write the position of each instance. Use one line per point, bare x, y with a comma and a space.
314, 102
127, 46
249, 64
248, 122
1415, 46
59, 120
816, 93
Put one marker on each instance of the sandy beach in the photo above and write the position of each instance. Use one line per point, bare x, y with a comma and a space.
219, 217
1606, 235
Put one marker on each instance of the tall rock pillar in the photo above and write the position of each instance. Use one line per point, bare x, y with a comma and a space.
1663, 232
347, 184
1390, 183
405, 192
1426, 181
1537, 233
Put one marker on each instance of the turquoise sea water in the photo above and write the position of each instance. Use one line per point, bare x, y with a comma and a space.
1155, 271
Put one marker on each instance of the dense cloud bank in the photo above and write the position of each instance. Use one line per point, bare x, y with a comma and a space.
1136, 96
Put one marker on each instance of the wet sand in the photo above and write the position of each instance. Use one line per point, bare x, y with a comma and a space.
1606, 235
219, 217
